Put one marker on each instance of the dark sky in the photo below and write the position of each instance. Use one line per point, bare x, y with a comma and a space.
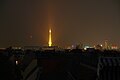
26, 22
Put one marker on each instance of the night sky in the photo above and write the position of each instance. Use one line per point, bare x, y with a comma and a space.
26, 22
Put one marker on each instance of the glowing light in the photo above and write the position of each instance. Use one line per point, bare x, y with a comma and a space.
50, 38
101, 45
16, 62
85, 48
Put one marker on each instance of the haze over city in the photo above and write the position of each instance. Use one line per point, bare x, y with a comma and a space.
26, 22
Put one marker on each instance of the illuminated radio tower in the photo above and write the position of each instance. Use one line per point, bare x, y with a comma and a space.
50, 39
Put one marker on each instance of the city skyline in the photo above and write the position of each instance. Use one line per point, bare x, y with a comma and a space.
89, 22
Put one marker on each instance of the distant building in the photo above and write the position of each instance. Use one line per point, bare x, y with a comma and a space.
79, 46
99, 47
114, 47
56, 48
16, 47
87, 47
31, 48
106, 44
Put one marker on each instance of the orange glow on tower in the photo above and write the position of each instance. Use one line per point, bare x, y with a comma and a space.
50, 38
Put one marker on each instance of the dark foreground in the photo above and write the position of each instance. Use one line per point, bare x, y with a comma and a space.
59, 65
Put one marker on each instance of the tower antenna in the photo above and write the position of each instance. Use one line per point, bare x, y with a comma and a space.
50, 38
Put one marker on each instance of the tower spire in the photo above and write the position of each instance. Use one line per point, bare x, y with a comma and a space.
50, 38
